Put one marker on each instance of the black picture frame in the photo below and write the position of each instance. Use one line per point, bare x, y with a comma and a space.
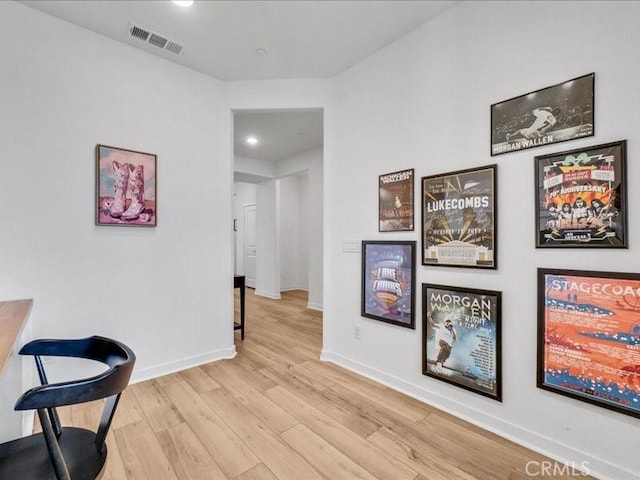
459, 211
581, 198
388, 281
473, 359
396, 201
554, 114
589, 337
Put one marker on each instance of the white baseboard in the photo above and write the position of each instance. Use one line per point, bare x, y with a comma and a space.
172, 367
539, 443
291, 289
273, 296
314, 306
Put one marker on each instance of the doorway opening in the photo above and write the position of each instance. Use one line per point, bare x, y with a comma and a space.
277, 203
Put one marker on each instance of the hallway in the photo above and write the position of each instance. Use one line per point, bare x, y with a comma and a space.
277, 412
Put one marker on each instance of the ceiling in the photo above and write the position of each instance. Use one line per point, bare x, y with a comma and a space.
280, 133
303, 39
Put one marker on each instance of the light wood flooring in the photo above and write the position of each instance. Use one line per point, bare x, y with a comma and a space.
277, 412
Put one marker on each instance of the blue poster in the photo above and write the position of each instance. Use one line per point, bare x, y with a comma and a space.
388, 288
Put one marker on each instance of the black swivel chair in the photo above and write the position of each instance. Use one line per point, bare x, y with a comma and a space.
67, 453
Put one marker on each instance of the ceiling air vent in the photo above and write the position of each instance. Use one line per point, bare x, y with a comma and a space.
173, 47
155, 39
138, 33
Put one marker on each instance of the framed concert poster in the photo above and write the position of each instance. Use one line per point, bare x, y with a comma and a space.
125, 187
395, 204
550, 115
388, 282
461, 339
458, 218
589, 337
581, 197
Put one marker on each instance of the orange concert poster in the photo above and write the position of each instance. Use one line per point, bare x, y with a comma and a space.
589, 337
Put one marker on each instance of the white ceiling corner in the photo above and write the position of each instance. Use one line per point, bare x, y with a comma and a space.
303, 39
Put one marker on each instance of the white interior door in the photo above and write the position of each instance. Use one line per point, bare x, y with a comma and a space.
250, 245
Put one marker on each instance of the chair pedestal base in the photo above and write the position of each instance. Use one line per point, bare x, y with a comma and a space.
28, 458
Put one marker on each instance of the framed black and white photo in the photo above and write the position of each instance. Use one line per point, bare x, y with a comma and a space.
550, 115
458, 218
461, 339
581, 198
388, 281
395, 202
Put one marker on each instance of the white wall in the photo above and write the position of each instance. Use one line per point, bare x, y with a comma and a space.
311, 162
267, 239
303, 260
424, 102
251, 166
244, 194
165, 291
293, 234
289, 234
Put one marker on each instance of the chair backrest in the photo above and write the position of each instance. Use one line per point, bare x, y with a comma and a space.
45, 398
114, 380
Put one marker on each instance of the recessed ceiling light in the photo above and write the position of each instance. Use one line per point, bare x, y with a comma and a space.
183, 3
252, 140
261, 52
